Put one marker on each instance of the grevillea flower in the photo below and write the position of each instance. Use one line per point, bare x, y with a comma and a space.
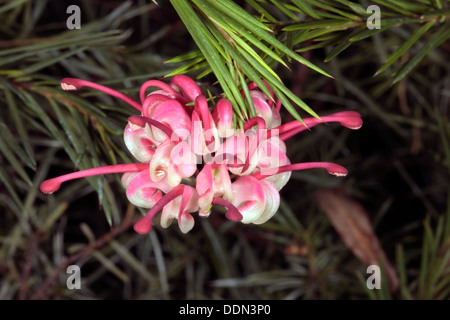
191, 158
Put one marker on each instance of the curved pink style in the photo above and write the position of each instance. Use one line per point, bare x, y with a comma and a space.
348, 119
186, 86
52, 185
332, 168
144, 225
232, 214
155, 83
76, 84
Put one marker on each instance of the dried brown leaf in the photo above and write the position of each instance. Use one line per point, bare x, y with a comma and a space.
353, 225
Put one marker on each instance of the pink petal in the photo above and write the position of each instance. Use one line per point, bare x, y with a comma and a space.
178, 209
222, 183
172, 114
141, 190
271, 156
223, 118
189, 202
152, 101
139, 143
249, 198
203, 142
205, 187
161, 160
270, 115
183, 157
185, 222
272, 202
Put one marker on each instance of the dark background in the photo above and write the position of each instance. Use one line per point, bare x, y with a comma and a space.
398, 172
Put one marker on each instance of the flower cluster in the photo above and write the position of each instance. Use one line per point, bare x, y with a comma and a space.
191, 158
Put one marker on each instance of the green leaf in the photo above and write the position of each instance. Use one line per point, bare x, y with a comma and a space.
238, 13
236, 31
305, 35
245, 61
13, 160
410, 6
49, 125
401, 267
405, 46
394, 6
194, 54
356, 7
250, 51
328, 8
131, 260
247, 95
439, 37
270, 39
11, 5
17, 119
193, 65
207, 45
343, 45
12, 191
284, 9
262, 11
325, 24
366, 33
303, 6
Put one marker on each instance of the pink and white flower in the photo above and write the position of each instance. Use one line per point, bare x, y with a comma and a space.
191, 159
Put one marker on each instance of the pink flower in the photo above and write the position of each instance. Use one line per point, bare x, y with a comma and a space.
264, 106
256, 200
184, 201
213, 183
167, 162
180, 209
192, 159
223, 118
141, 190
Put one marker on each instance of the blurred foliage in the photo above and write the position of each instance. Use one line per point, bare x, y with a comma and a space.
397, 77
